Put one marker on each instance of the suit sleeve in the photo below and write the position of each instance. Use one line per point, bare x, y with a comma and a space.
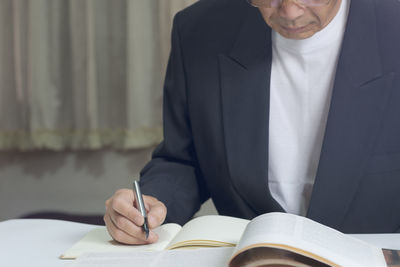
173, 175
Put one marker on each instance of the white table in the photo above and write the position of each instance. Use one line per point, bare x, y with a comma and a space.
37, 242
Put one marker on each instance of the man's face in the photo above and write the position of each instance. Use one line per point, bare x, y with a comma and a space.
295, 21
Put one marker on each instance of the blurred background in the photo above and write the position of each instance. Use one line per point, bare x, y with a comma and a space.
80, 101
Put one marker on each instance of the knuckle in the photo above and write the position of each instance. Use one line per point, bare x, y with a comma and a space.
116, 203
118, 192
120, 222
121, 191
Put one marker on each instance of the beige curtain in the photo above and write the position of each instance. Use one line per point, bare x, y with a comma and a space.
83, 74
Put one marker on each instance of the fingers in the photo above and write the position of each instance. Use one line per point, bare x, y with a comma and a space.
124, 222
121, 236
127, 226
123, 203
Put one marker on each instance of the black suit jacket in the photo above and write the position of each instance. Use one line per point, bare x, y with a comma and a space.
216, 112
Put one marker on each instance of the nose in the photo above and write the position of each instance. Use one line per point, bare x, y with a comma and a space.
290, 10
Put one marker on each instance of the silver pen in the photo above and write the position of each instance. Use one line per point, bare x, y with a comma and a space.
141, 207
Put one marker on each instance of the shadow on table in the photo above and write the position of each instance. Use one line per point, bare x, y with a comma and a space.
81, 218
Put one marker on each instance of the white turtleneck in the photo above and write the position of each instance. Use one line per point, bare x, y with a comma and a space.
302, 77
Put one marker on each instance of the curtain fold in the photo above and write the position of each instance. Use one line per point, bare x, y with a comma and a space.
83, 74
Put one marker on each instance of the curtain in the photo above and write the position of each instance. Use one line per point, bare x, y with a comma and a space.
83, 74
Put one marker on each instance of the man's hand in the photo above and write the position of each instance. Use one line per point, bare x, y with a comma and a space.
124, 222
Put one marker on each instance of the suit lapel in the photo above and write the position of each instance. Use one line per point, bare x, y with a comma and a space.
358, 100
245, 80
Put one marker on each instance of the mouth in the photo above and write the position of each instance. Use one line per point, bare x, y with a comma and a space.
294, 29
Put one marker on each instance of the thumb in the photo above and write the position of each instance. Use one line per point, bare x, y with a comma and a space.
156, 211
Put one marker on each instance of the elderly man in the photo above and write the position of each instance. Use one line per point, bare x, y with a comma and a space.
277, 105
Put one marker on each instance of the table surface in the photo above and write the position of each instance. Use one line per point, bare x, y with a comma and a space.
38, 242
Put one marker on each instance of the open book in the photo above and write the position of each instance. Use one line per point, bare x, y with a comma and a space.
273, 239
205, 231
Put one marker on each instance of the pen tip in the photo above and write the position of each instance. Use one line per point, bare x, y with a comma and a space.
146, 228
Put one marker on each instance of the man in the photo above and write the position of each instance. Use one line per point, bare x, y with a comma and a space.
299, 114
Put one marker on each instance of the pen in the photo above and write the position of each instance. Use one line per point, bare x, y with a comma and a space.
141, 207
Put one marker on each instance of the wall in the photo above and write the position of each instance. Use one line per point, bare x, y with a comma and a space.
75, 182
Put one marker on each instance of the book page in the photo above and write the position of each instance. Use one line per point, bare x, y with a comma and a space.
309, 238
99, 240
210, 231
209, 257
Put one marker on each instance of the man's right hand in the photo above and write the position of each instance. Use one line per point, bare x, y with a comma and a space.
124, 222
